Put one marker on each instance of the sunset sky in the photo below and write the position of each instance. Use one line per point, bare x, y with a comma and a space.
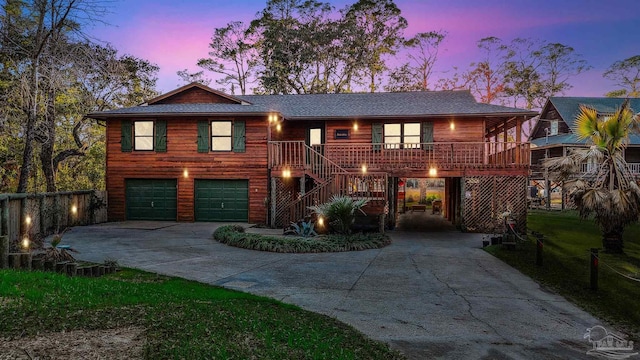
174, 34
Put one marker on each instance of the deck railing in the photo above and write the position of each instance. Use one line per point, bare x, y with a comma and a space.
372, 187
450, 155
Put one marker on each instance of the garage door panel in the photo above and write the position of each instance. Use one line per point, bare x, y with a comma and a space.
151, 199
221, 200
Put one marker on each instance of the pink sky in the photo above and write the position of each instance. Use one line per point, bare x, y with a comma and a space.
174, 35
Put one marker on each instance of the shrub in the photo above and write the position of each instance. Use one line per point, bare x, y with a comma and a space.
340, 212
235, 236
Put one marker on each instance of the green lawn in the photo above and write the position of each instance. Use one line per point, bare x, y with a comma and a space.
182, 319
566, 266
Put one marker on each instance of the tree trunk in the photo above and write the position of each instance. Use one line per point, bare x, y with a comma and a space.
27, 155
612, 242
46, 152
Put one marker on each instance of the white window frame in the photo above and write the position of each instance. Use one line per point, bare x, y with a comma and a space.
137, 136
214, 136
403, 136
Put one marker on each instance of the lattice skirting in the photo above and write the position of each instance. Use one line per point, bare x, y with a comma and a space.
286, 192
486, 198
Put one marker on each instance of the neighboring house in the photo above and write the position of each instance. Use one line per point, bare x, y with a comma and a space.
196, 154
552, 136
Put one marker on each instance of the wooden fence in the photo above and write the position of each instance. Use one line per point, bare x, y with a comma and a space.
40, 215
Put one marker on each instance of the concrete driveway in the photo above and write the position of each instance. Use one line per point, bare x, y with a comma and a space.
430, 295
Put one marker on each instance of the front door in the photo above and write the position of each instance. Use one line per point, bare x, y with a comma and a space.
315, 140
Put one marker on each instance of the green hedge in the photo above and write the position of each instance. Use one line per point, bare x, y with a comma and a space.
234, 235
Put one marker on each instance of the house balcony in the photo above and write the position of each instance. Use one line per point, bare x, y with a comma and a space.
537, 171
448, 158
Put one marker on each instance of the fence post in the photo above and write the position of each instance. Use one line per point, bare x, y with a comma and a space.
539, 249
4, 251
594, 269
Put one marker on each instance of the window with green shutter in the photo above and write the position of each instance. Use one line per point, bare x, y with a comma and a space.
427, 134
161, 136
376, 136
125, 136
239, 136
203, 136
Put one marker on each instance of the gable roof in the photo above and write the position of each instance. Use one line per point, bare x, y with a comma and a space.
325, 106
569, 107
192, 86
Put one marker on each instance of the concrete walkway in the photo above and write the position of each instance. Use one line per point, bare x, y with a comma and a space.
430, 295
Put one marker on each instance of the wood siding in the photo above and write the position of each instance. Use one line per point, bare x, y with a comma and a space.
466, 130
195, 96
182, 155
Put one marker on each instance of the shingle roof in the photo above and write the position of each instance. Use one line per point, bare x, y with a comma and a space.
568, 107
571, 139
332, 106
419, 103
194, 109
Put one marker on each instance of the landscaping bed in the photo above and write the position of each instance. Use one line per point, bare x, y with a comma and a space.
132, 315
235, 235
567, 240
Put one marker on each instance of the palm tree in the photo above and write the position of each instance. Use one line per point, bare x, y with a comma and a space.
607, 191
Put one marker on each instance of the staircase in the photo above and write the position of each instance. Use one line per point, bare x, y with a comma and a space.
322, 171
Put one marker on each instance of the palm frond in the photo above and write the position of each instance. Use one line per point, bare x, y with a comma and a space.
586, 123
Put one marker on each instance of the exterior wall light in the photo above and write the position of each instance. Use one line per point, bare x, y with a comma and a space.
185, 173
364, 168
321, 221
355, 126
74, 209
433, 172
278, 127
286, 173
27, 220
452, 125
25, 242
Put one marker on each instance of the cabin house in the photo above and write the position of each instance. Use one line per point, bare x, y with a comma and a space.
553, 136
197, 154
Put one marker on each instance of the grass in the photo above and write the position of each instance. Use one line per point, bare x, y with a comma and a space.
566, 266
182, 319
235, 236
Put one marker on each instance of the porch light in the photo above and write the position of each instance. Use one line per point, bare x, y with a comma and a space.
364, 168
278, 127
185, 173
273, 118
27, 220
25, 242
433, 172
74, 209
286, 173
452, 125
355, 126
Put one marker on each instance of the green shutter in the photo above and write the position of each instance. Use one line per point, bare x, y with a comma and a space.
376, 136
161, 136
427, 134
238, 136
125, 136
203, 136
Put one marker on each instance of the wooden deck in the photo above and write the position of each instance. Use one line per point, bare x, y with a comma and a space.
399, 159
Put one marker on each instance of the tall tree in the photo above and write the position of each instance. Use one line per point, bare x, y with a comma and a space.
626, 74
290, 42
486, 78
29, 28
608, 192
422, 53
188, 78
233, 54
536, 70
379, 27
